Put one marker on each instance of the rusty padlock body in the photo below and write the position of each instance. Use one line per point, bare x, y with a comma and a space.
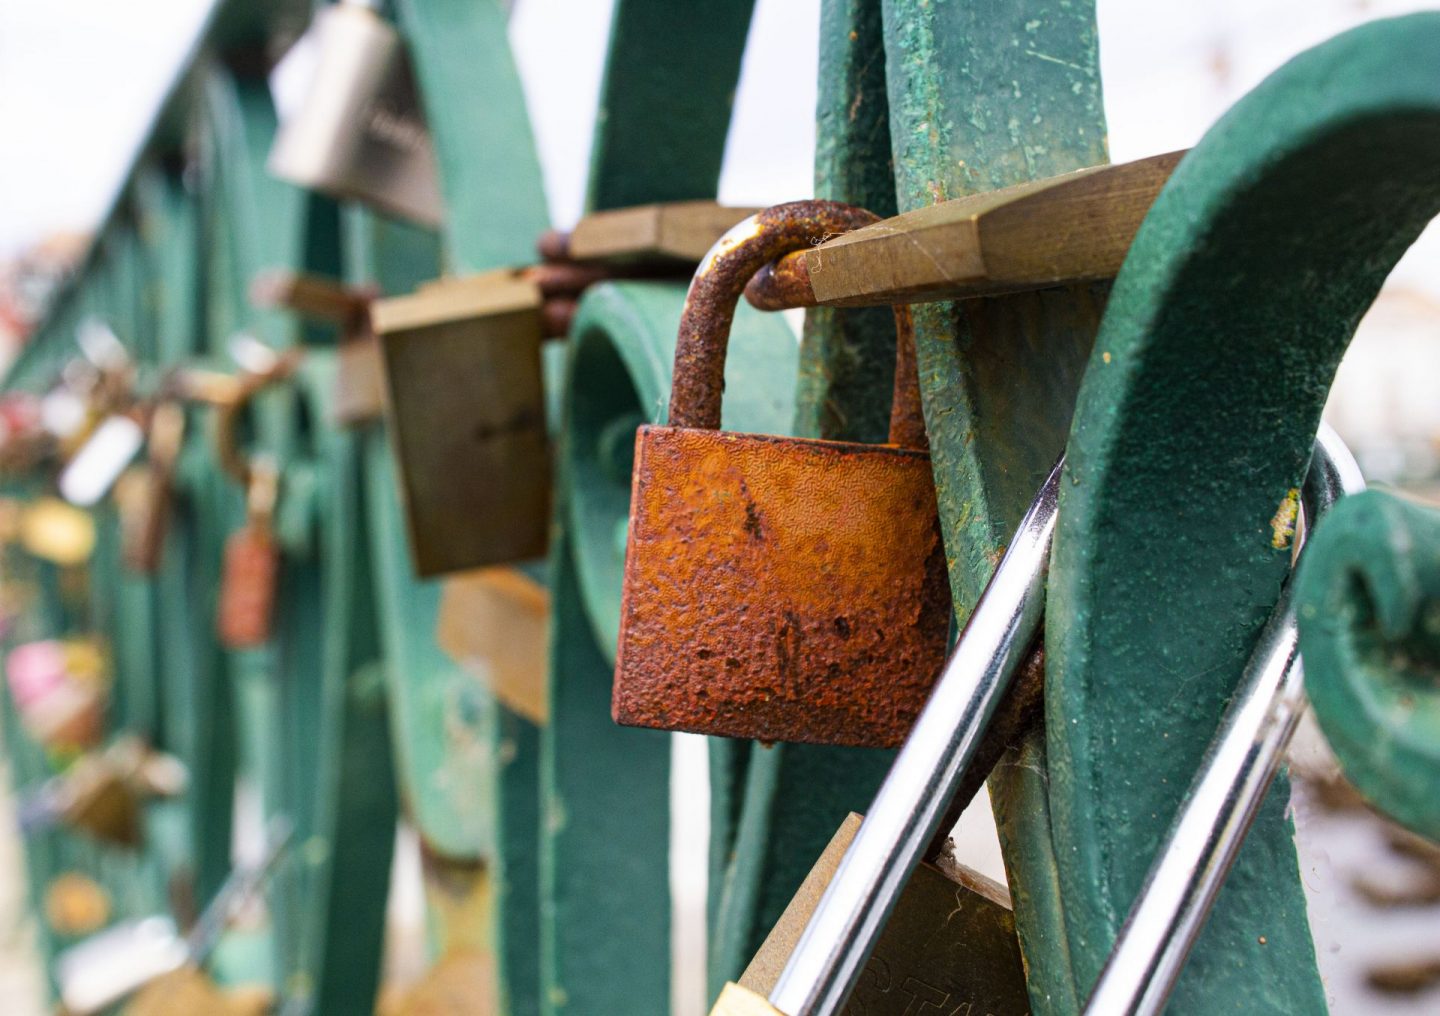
777, 588
250, 570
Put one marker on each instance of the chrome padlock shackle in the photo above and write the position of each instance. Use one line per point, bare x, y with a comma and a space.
1242, 761
927, 772
746, 249
1202, 842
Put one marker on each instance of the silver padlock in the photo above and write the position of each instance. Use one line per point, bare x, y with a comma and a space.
359, 132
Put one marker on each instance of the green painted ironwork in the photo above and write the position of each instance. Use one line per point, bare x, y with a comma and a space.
983, 96
1285, 219
606, 787
1366, 600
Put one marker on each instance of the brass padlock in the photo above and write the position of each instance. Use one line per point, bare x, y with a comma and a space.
189, 991
360, 131
250, 573
57, 532
949, 948
778, 588
493, 622
144, 495
99, 800
466, 410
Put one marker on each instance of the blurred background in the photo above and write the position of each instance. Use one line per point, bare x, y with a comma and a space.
80, 79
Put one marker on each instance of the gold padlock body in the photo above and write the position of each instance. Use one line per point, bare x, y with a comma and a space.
466, 410
493, 623
189, 992
949, 948
780, 589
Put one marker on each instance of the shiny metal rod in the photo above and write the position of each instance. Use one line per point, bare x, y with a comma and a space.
925, 775
1226, 793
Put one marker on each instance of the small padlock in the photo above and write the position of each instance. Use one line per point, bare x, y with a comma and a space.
493, 622
57, 532
98, 799
144, 495
360, 131
100, 460
250, 574
466, 410
189, 991
778, 588
949, 947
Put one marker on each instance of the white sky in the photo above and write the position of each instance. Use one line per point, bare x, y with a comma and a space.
79, 78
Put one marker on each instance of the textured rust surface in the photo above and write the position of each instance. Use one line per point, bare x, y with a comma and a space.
783, 284
780, 589
699, 375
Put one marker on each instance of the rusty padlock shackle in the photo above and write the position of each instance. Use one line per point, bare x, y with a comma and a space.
232, 460
748, 247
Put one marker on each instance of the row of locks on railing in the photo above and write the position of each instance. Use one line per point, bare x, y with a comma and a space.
307, 515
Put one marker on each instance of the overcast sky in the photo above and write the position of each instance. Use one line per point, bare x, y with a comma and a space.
79, 80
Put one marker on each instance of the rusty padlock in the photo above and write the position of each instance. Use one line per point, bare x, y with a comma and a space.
778, 588
250, 573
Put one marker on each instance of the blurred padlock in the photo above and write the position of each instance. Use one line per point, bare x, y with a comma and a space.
57, 532
250, 573
99, 461
467, 420
189, 991
778, 588
104, 970
949, 946
493, 622
359, 132
672, 236
144, 496
59, 689
100, 801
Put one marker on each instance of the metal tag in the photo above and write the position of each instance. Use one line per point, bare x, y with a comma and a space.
359, 132
493, 623
466, 411
949, 948
98, 463
100, 971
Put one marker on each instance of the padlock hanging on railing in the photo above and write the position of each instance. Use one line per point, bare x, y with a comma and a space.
950, 945
1243, 759
135, 956
360, 133
461, 365
852, 913
778, 588
250, 575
